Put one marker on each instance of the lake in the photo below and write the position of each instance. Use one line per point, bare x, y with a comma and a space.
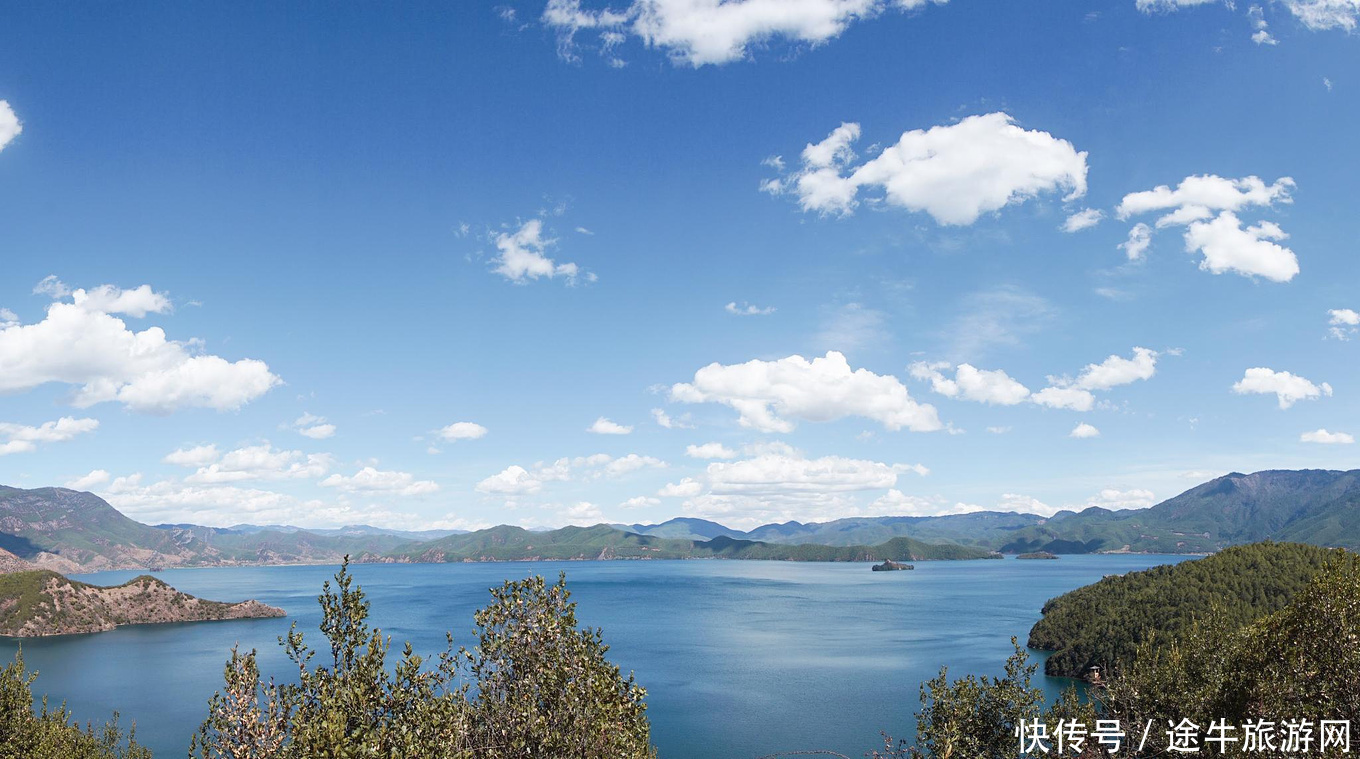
740, 658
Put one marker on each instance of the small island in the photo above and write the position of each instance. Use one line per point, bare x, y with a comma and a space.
1037, 555
891, 566
39, 602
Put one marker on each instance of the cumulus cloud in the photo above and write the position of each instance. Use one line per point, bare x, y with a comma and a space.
93, 479
1287, 388
20, 438
522, 255
1328, 438
710, 451
640, 502
1140, 237
314, 427
747, 309
703, 32
1077, 394
1084, 430
10, 127
1343, 323
517, 480
604, 426
955, 172
511, 481
1083, 219
1065, 397
1208, 207
461, 431
371, 480
83, 343
969, 383
769, 394
1326, 14
252, 462
781, 483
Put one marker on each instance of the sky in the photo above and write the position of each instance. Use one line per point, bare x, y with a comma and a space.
451, 265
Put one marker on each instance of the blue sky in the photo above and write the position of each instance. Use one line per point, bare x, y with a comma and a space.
445, 241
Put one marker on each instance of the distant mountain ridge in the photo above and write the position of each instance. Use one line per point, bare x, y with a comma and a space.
69, 531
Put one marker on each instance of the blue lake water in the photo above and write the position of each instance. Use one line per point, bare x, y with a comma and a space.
740, 658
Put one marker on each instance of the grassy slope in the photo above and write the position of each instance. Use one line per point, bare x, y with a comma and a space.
1102, 624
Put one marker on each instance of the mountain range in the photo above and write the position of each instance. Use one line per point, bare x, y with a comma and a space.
70, 531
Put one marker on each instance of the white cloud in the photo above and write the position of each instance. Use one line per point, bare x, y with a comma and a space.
897, 503
1084, 430
1325, 437
513, 480
96, 477
710, 451
253, 462
370, 480
604, 426
19, 438
9, 124
197, 456
766, 394
8, 318
671, 423
461, 431
314, 427
584, 513
747, 309
781, 484
1117, 370
955, 172
991, 386
1140, 237
1148, 6
1070, 398
1114, 371
78, 344
640, 502
1326, 14
701, 32
225, 505
1288, 388
1207, 206
631, 463
1344, 323
1001, 316
1083, 219
998, 430
1228, 246
523, 255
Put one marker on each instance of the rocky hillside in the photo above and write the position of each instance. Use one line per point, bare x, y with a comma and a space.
40, 602
11, 563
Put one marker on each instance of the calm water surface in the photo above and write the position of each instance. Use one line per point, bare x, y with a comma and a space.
740, 658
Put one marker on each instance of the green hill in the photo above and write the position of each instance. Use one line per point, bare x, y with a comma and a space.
1102, 624
1320, 507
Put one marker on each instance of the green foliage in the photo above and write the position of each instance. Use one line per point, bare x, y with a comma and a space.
1302, 663
1104, 624
50, 733
543, 688
976, 717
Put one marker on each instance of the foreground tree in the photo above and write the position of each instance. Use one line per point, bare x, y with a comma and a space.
535, 686
51, 733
